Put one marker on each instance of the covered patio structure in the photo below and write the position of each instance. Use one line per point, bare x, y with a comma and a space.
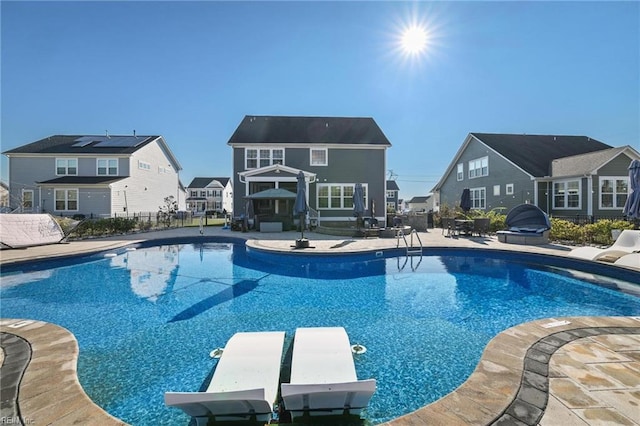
272, 209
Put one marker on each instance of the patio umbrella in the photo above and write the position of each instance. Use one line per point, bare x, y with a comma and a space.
358, 202
465, 200
248, 213
632, 206
300, 206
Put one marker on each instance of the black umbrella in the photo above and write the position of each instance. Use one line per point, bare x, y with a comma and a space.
632, 206
358, 202
465, 200
300, 206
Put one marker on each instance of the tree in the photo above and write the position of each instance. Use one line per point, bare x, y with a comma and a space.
168, 210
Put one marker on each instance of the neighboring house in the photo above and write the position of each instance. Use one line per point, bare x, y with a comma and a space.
563, 175
4, 195
334, 153
97, 176
210, 194
420, 204
393, 203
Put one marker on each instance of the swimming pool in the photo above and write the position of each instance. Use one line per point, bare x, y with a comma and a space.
146, 320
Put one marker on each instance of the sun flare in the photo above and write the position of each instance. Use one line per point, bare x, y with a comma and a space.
413, 40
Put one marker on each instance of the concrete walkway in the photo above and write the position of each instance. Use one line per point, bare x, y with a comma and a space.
565, 371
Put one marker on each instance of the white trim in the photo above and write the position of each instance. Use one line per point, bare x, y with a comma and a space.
310, 177
614, 193
480, 160
566, 194
509, 189
460, 173
270, 148
484, 200
107, 159
342, 185
326, 156
66, 167
496, 190
66, 199
33, 200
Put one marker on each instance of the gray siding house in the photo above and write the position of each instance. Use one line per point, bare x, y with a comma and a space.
98, 176
563, 175
334, 153
210, 193
393, 205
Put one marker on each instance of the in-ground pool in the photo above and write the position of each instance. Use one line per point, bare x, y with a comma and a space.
146, 320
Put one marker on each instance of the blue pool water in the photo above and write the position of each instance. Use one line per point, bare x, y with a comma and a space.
146, 320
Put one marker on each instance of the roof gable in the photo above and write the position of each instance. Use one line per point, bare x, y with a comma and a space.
534, 153
589, 163
392, 186
203, 182
311, 130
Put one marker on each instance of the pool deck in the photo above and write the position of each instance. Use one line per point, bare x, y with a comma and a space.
553, 371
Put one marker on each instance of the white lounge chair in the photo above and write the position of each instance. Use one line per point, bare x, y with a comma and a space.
631, 260
627, 242
323, 375
244, 385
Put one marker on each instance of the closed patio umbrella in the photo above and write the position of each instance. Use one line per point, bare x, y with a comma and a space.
300, 207
465, 200
632, 206
358, 202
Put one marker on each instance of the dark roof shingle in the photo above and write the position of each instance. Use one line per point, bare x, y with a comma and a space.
534, 153
64, 144
313, 130
202, 182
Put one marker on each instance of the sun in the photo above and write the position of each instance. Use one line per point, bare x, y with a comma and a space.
414, 40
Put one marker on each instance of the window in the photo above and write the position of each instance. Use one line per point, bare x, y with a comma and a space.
391, 194
163, 170
496, 190
566, 194
509, 189
263, 157
338, 196
318, 156
27, 200
613, 192
107, 167
203, 193
194, 193
66, 166
144, 165
479, 167
460, 175
478, 198
66, 199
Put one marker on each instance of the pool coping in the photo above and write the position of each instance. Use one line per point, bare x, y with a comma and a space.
507, 386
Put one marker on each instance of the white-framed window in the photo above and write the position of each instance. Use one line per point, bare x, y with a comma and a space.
27, 200
391, 205
479, 167
107, 166
391, 194
163, 170
194, 193
319, 156
496, 190
566, 194
263, 157
613, 192
66, 199
478, 198
143, 165
338, 195
509, 189
460, 174
66, 166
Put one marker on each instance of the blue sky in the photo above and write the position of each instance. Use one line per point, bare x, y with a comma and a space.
190, 71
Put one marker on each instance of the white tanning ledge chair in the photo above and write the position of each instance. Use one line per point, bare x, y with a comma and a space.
323, 375
244, 385
627, 242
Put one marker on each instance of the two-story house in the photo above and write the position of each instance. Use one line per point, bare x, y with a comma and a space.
334, 153
96, 176
393, 205
563, 175
210, 194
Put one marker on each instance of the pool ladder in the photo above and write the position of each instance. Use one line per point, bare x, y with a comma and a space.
412, 250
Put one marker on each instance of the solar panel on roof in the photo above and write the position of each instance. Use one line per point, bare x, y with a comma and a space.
120, 142
86, 140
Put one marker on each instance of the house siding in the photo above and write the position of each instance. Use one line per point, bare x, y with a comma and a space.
345, 165
501, 172
611, 169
